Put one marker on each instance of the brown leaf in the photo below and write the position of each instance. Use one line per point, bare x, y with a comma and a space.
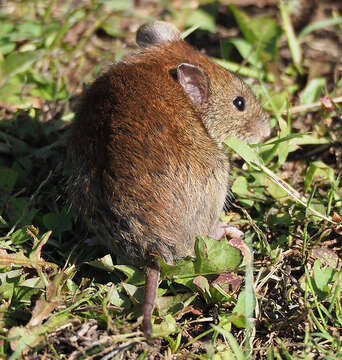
337, 218
229, 282
192, 310
327, 256
202, 283
38, 244
43, 308
19, 259
239, 244
41, 311
22, 338
327, 103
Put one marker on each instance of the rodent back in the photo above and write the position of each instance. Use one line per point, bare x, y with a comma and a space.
145, 146
151, 155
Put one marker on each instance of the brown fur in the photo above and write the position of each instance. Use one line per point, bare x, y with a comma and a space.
148, 165
148, 169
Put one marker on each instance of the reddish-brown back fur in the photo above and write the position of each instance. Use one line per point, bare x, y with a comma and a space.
148, 170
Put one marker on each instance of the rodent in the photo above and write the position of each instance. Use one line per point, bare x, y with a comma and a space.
148, 169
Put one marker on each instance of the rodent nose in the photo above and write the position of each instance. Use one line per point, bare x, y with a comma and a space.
261, 131
266, 131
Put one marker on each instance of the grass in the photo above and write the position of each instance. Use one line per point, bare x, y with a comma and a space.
280, 298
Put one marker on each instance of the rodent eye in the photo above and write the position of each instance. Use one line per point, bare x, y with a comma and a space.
240, 103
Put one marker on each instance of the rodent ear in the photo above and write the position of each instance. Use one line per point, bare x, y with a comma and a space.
195, 83
156, 32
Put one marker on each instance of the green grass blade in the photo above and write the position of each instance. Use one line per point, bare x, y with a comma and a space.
317, 25
294, 45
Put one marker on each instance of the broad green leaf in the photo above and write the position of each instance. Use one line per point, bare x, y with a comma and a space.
57, 222
6, 46
10, 92
261, 32
115, 298
268, 33
307, 139
312, 91
21, 209
117, 5
167, 327
243, 21
318, 170
17, 62
135, 293
183, 269
46, 92
239, 309
134, 276
8, 280
34, 283
243, 150
240, 186
20, 236
322, 275
19, 259
212, 257
215, 256
6, 27
112, 26
27, 30
174, 304
280, 219
246, 50
274, 189
78, 14
51, 32
8, 178
204, 20
276, 102
105, 263
22, 338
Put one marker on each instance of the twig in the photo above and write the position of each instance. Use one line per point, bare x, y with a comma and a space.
308, 107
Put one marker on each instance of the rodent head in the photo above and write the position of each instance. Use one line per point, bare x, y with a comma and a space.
225, 103
233, 110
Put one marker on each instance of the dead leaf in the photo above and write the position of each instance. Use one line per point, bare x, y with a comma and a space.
41, 311
229, 282
337, 218
327, 256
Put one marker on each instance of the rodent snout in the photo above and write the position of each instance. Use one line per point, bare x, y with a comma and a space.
261, 131
265, 130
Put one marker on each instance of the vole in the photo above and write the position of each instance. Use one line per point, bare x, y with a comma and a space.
149, 171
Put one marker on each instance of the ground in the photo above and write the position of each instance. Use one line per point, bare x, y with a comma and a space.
64, 298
